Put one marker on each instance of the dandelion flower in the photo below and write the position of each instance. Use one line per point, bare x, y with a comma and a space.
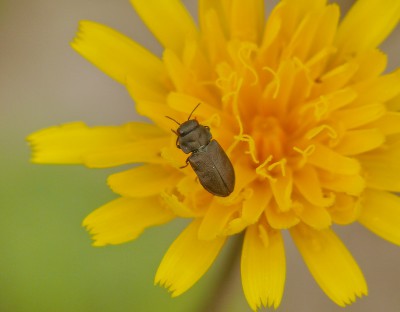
301, 105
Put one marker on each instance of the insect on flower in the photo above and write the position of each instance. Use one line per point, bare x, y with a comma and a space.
208, 160
306, 109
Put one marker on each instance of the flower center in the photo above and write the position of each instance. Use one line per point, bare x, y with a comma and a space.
269, 137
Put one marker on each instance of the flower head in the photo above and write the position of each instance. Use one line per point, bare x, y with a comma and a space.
300, 105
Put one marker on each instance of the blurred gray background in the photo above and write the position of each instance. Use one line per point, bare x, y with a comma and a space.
47, 262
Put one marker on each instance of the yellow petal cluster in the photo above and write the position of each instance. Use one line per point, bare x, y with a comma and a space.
300, 102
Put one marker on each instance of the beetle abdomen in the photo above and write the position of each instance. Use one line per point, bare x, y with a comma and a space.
214, 169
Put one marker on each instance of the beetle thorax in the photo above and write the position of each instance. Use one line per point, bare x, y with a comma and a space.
193, 136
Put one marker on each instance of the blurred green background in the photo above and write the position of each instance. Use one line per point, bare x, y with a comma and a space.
47, 262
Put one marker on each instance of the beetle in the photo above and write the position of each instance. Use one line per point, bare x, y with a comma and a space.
208, 159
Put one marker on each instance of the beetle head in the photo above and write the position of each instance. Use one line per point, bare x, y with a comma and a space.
192, 136
187, 126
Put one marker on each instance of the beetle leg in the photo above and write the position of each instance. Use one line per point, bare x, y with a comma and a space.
187, 163
177, 144
177, 138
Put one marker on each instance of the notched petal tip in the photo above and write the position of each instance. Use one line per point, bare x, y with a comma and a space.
124, 219
263, 268
187, 260
330, 263
120, 57
169, 21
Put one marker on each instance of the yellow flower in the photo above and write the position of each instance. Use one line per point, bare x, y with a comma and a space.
300, 104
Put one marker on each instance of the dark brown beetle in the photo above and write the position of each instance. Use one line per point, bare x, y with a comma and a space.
208, 160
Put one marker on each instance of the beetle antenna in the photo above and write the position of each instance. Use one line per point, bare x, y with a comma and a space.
172, 119
193, 111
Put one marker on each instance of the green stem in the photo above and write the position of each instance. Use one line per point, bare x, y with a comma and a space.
227, 281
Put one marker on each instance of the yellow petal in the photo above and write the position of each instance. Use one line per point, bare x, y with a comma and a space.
119, 57
256, 204
372, 63
349, 184
187, 260
274, 25
169, 21
382, 173
327, 159
394, 103
337, 78
216, 220
263, 267
189, 185
195, 57
306, 6
148, 151
176, 158
282, 189
181, 77
221, 10
176, 206
337, 99
367, 24
315, 216
154, 110
314, 32
327, 26
144, 180
124, 219
359, 141
253, 207
307, 183
213, 33
292, 13
379, 90
184, 80
185, 104
389, 123
345, 210
330, 263
246, 20
286, 80
244, 176
73, 143
280, 220
380, 213
355, 117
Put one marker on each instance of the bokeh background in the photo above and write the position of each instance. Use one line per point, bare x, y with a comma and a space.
47, 262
